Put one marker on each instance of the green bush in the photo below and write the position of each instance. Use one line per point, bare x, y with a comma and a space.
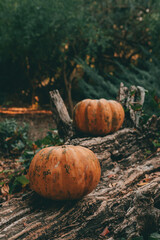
13, 137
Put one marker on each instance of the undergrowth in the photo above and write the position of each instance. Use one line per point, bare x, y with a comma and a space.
15, 144
13, 137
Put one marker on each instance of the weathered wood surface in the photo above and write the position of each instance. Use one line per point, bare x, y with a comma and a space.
132, 100
122, 202
61, 115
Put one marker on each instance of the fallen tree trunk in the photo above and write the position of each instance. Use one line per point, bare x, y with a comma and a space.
125, 204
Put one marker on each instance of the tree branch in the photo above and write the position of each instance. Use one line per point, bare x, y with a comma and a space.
61, 116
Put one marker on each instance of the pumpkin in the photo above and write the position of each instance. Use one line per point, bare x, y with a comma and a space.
98, 117
64, 172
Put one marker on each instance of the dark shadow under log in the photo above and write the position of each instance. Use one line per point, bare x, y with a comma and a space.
125, 204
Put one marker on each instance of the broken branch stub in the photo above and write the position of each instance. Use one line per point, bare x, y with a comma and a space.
132, 100
61, 115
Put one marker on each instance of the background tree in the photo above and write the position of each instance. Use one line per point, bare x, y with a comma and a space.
83, 48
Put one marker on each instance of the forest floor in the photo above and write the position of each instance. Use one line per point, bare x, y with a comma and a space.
39, 124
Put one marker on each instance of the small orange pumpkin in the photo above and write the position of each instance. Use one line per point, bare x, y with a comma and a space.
64, 172
98, 117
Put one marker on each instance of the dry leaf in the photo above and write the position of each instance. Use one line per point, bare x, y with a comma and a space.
142, 183
105, 232
7, 139
5, 190
147, 179
25, 224
34, 146
111, 176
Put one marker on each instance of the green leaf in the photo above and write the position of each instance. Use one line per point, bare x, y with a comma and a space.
156, 144
136, 107
22, 180
30, 152
148, 151
132, 92
11, 175
154, 236
6, 171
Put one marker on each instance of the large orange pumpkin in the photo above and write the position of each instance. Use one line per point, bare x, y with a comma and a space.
98, 117
64, 172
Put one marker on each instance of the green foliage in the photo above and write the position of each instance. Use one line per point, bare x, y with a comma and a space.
93, 85
31, 42
156, 141
26, 157
13, 137
154, 236
114, 40
51, 139
131, 55
147, 78
18, 180
17, 183
150, 105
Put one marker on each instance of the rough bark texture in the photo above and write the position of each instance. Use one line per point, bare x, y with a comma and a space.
126, 202
61, 116
132, 100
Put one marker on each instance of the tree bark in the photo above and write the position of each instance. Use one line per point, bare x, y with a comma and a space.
125, 204
68, 86
61, 116
132, 100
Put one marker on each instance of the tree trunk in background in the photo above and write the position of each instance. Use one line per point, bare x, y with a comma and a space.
68, 86
31, 81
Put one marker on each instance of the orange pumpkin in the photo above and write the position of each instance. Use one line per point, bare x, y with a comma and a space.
64, 172
98, 117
